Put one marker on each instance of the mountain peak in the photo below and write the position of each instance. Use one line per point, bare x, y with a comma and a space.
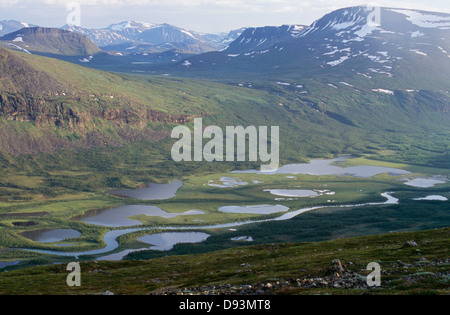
130, 25
363, 20
260, 38
9, 26
356, 19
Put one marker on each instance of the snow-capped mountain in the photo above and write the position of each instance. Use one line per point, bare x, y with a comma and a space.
141, 37
10, 26
132, 36
228, 38
124, 32
351, 34
261, 38
223, 40
131, 26
384, 42
176, 38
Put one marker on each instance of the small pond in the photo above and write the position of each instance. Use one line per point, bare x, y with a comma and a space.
51, 236
302, 193
4, 264
433, 198
425, 182
228, 182
259, 209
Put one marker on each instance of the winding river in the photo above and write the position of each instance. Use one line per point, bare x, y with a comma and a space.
110, 238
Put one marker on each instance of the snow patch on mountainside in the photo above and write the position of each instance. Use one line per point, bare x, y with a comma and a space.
85, 60
417, 34
187, 63
19, 48
366, 30
365, 75
425, 19
339, 61
296, 30
188, 33
444, 51
133, 25
418, 52
384, 91
345, 83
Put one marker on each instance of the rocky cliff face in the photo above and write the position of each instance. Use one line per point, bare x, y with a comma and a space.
48, 118
48, 111
39, 113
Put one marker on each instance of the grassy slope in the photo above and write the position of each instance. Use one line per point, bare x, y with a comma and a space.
355, 120
423, 269
304, 132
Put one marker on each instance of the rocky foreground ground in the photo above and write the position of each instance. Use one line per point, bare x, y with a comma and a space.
337, 267
339, 278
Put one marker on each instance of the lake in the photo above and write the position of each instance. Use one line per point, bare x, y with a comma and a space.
228, 182
51, 236
119, 216
151, 192
321, 167
258, 209
425, 182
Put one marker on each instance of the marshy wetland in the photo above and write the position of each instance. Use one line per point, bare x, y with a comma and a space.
214, 211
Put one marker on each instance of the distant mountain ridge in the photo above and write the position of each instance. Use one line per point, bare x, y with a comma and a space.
50, 41
144, 37
9, 26
150, 38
